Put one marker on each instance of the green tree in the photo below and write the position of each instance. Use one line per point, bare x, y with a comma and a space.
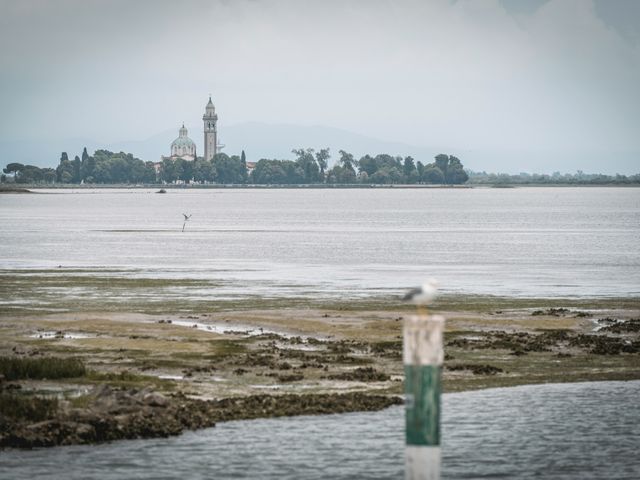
75, 165
137, 170
64, 171
178, 168
455, 172
347, 161
30, 174
409, 170
187, 171
203, 170
49, 175
119, 169
268, 172
322, 158
168, 172
14, 168
381, 177
368, 165
432, 175
294, 174
420, 169
341, 174
229, 169
386, 169
442, 162
65, 176
87, 165
277, 172
307, 162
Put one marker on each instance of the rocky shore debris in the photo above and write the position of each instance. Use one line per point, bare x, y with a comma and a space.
366, 374
109, 414
612, 325
476, 369
560, 340
560, 312
295, 377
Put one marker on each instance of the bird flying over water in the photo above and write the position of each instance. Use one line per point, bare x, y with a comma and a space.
186, 217
424, 294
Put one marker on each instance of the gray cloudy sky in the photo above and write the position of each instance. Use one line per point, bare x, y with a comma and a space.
560, 76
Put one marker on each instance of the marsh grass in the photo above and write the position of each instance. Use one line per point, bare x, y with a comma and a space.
127, 379
223, 349
25, 407
16, 368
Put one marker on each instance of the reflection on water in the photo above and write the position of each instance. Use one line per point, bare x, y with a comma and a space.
569, 431
523, 241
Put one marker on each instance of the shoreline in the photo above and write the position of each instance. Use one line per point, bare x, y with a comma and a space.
29, 188
139, 366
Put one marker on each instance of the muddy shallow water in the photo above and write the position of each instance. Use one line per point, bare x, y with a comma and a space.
558, 431
529, 242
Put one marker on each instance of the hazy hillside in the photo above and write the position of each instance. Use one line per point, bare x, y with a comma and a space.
276, 141
260, 140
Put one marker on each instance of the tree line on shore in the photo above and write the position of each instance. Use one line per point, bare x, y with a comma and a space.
103, 167
309, 167
556, 178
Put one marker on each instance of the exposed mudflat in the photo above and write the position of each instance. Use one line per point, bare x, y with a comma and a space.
156, 375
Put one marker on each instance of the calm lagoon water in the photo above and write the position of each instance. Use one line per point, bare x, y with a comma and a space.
560, 242
568, 431
551, 242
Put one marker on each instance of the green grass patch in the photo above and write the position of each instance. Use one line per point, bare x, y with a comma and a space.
128, 379
83, 401
26, 407
16, 368
222, 349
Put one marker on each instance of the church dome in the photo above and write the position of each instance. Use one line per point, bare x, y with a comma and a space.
183, 142
183, 146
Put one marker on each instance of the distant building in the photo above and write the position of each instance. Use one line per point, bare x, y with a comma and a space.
182, 147
210, 120
185, 148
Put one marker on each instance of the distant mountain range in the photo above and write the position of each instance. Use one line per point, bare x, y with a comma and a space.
260, 140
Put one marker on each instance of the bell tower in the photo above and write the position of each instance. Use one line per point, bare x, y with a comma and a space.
210, 120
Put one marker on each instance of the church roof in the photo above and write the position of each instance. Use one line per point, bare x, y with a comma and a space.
182, 142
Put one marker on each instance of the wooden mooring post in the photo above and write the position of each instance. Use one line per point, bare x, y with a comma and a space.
423, 356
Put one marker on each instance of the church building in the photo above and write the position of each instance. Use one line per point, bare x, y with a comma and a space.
210, 120
185, 148
182, 147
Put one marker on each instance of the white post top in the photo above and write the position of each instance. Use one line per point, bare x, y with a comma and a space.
423, 340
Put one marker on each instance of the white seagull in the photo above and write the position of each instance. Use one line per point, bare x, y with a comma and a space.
186, 217
423, 295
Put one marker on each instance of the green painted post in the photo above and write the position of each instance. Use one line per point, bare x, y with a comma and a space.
423, 357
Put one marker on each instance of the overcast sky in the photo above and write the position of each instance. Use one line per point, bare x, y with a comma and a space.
526, 75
